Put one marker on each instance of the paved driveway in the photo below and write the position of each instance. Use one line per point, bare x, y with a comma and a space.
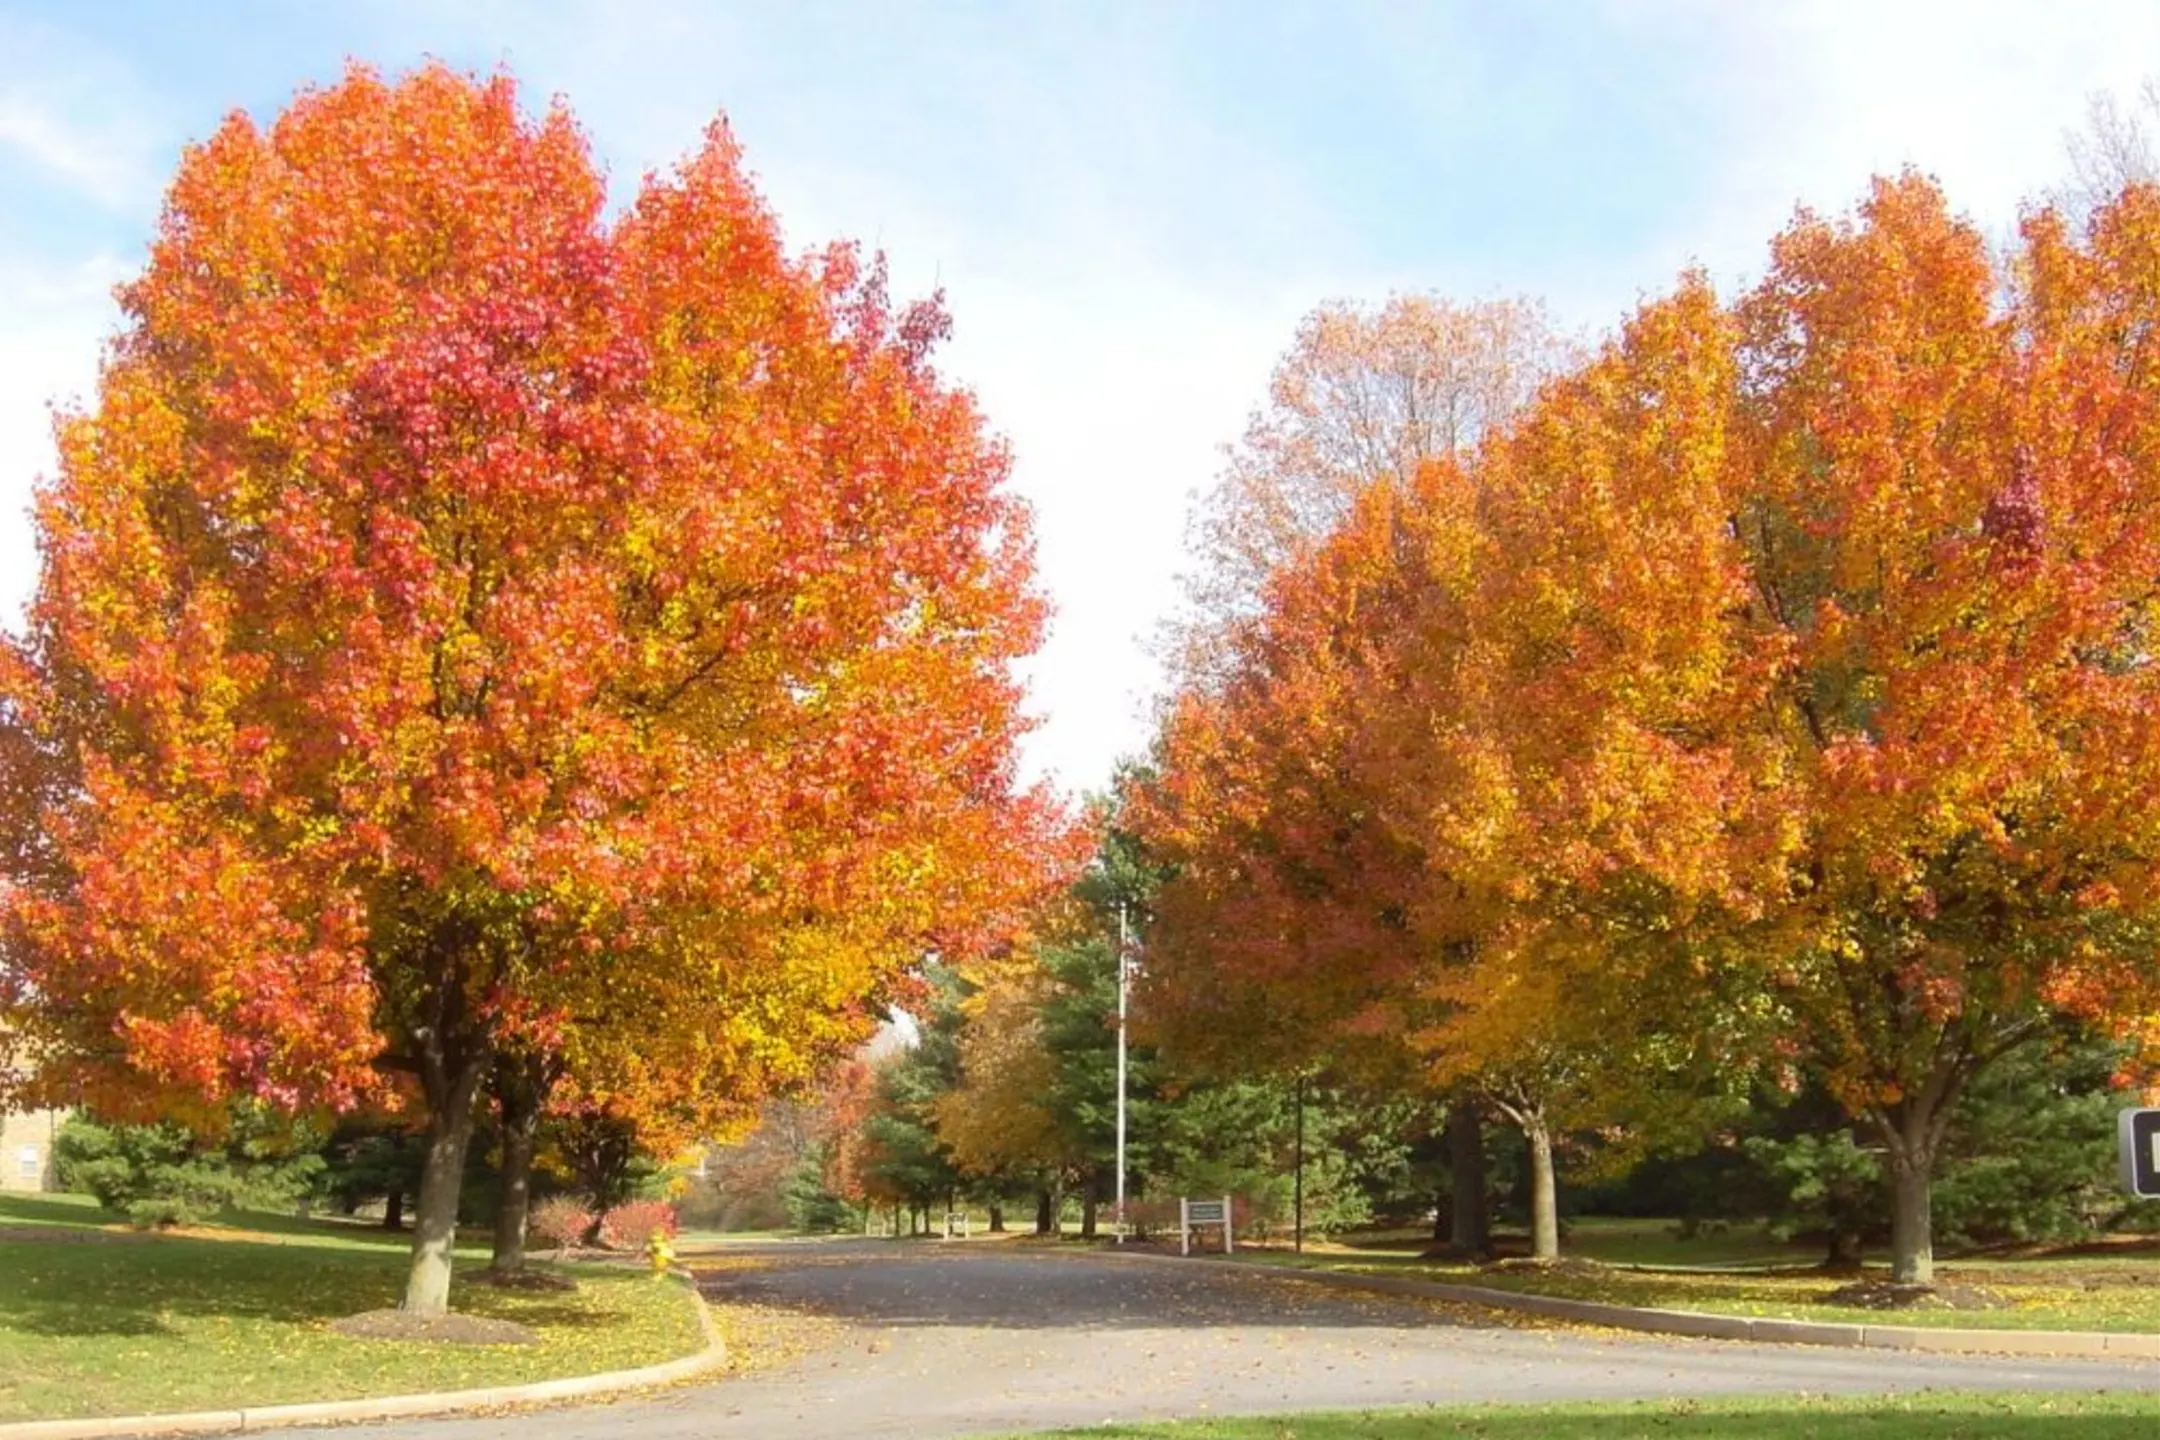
961, 1339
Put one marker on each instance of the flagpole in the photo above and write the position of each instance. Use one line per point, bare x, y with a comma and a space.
1122, 936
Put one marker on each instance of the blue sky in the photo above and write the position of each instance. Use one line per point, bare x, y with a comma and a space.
1128, 205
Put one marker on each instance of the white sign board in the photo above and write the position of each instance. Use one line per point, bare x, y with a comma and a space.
2137, 1133
1204, 1212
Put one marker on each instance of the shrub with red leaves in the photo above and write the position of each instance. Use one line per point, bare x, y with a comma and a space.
629, 1226
558, 1222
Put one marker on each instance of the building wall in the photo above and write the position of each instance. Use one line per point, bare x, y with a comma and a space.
26, 1149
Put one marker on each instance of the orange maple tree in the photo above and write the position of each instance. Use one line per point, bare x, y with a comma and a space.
1543, 759
1943, 501
1335, 515
1284, 926
459, 607
1796, 694
1330, 710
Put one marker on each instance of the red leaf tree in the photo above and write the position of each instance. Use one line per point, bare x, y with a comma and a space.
459, 611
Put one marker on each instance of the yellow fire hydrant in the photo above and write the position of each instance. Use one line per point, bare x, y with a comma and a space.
659, 1253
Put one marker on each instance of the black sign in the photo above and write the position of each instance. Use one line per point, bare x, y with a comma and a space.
2139, 1134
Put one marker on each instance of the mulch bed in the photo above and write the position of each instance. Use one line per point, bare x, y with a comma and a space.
540, 1281
434, 1329
1565, 1265
2083, 1278
1885, 1295
2128, 1247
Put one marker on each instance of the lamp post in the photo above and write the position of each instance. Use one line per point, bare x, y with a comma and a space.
1298, 1183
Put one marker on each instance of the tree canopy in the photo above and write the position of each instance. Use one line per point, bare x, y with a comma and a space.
1772, 690
469, 618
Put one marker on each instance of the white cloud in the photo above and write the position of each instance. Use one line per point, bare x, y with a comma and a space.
89, 161
1982, 94
76, 113
76, 116
52, 322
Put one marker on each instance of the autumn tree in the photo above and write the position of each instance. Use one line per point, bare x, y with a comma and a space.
1277, 862
999, 1122
457, 605
1365, 403
2115, 149
1300, 918
1943, 506
1822, 651
1790, 673
745, 1183
651, 1076
793, 1165
1585, 835
840, 1162
1365, 395
904, 1155
1013, 1079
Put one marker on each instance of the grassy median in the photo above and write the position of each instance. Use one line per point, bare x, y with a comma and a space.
1941, 1416
96, 1319
1740, 1272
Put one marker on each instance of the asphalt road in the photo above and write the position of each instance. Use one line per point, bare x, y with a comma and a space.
967, 1338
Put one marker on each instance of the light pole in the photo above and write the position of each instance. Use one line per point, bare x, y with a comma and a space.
1121, 963
1299, 1182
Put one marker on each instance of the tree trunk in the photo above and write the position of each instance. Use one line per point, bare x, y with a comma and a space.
442, 1176
1544, 1192
393, 1213
997, 1219
519, 1082
1045, 1216
1087, 1212
1470, 1228
602, 1150
1912, 1132
514, 1203
1910, 1138
1912, 1220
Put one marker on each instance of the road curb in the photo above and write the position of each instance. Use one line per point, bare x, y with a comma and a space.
392, 1407
1700, 1324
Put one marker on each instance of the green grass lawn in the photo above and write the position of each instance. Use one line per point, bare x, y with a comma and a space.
1938, 1416
1743, 1272
2034, 1300
1619, 1241
97, 1321
715, 1237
